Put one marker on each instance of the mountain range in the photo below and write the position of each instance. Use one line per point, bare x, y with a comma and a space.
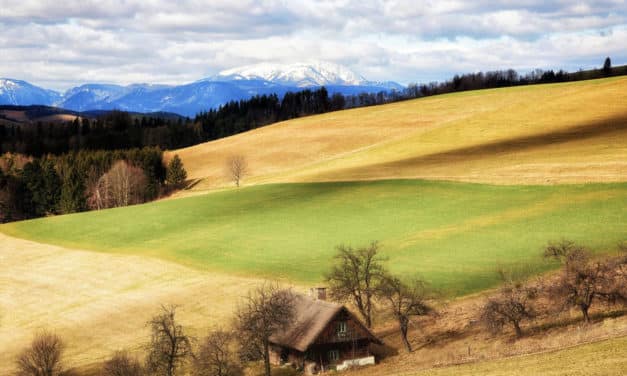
192, 98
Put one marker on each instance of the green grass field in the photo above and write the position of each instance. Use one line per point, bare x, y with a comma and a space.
453, 234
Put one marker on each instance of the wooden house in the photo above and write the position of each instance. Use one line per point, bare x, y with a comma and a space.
323, 336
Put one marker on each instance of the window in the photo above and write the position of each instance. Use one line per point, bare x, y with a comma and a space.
341, 328
334, 355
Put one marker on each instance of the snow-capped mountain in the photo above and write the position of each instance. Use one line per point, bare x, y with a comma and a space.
300, 74
202, 95
19, 92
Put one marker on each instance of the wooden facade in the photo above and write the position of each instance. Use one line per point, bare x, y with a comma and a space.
326, 336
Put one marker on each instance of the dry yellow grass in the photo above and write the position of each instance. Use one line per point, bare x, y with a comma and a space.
99, 303
544, 134
549, 346
605, 358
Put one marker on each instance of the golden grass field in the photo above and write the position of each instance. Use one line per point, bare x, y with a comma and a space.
542, 134
99, 303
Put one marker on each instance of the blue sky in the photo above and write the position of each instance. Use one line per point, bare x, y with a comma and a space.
59, 44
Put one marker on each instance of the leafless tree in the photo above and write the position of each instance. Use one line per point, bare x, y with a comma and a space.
237, 168
512, 304
266, 310
122, 185
216, 356
585, 280
170, 348
43, 357
405, 300
122, 364
355, 277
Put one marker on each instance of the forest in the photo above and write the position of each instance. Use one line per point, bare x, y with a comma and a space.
85, 180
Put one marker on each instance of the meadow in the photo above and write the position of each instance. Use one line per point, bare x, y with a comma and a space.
455, 235
540, 134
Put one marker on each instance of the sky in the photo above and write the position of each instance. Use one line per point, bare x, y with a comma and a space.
60, 44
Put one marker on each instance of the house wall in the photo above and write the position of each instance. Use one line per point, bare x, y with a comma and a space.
290, 356
347, 351
354, 330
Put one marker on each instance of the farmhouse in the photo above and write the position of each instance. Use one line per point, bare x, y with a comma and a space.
324, 336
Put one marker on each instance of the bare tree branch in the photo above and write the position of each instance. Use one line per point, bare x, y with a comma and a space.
266, 310
237, 168
43, 357
170, 348
355, 277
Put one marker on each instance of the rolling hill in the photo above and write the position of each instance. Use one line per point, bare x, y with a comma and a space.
540, 134
453, 187
454, 234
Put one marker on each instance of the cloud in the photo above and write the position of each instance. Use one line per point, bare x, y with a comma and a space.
123, 41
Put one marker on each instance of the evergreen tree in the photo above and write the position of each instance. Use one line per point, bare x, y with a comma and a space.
52, 184
72, 191
607, 66
34, 199
176, 173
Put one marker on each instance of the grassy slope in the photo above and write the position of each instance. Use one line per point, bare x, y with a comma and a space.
573, 132
454, 234
99, 303
602, 358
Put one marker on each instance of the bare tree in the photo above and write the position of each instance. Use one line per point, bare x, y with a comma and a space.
512, 305
170, 348
355, 277
43, 357
216, 356
266, 310
405, 300
122, 364
123, 185
585, 280
237, 168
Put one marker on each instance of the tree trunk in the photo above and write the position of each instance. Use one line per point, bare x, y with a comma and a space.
266, 357
517, 329
369, 311
404, 328
584, 310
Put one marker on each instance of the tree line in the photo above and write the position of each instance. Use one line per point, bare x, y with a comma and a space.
114, 130
33, 187
121, 130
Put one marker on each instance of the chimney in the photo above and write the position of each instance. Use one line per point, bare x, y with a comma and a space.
318, 293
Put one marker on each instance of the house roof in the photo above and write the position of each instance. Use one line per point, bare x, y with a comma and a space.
310, 318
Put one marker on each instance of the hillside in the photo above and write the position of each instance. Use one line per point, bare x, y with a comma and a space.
454, 234
539, 134
96, 277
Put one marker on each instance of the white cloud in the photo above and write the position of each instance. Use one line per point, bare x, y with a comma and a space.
60, 44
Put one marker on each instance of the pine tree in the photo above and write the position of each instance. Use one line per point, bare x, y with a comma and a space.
176, 173
72, 192
607, 66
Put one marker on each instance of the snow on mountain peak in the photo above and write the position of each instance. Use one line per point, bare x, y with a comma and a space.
315, 73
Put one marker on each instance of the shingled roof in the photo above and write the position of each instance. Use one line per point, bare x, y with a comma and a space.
311, 317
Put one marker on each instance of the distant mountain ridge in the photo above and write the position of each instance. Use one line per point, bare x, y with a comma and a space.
190, 99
